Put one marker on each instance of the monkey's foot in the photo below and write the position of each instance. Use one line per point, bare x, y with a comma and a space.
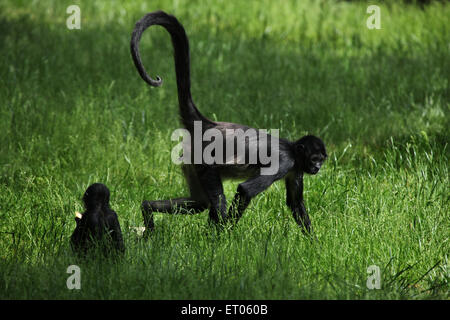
147, 214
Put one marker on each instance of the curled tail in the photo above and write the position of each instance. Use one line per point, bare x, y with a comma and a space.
188, 111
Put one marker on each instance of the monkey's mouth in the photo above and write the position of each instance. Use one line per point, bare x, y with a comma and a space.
313, 170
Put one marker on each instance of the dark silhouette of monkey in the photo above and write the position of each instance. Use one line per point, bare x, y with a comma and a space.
98, 226
305, 155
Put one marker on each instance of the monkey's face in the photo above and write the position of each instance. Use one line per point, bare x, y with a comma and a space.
310, 154
315, 161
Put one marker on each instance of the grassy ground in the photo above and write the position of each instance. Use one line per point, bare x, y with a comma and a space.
74, 111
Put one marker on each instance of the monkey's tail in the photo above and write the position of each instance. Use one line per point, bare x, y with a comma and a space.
188, 111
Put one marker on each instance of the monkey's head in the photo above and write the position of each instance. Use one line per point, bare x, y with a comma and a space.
96, 195
310, 153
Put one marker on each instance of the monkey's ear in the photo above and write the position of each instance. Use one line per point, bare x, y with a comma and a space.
300, 149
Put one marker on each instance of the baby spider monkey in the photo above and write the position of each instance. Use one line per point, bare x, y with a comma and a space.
97, 226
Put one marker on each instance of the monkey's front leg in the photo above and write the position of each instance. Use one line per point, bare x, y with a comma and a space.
294, 200
238, 205
301, 217
245, 192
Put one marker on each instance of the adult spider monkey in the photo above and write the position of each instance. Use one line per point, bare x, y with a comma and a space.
305, 155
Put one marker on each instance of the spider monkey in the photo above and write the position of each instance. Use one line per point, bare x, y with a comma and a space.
305, 155
98, 225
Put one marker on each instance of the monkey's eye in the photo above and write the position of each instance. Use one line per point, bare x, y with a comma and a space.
316, 158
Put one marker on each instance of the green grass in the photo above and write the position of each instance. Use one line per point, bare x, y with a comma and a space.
74, 111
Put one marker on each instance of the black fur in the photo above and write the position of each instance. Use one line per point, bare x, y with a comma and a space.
99, 226
305, 155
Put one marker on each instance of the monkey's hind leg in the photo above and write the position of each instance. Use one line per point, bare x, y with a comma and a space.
211, 181
172, 206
